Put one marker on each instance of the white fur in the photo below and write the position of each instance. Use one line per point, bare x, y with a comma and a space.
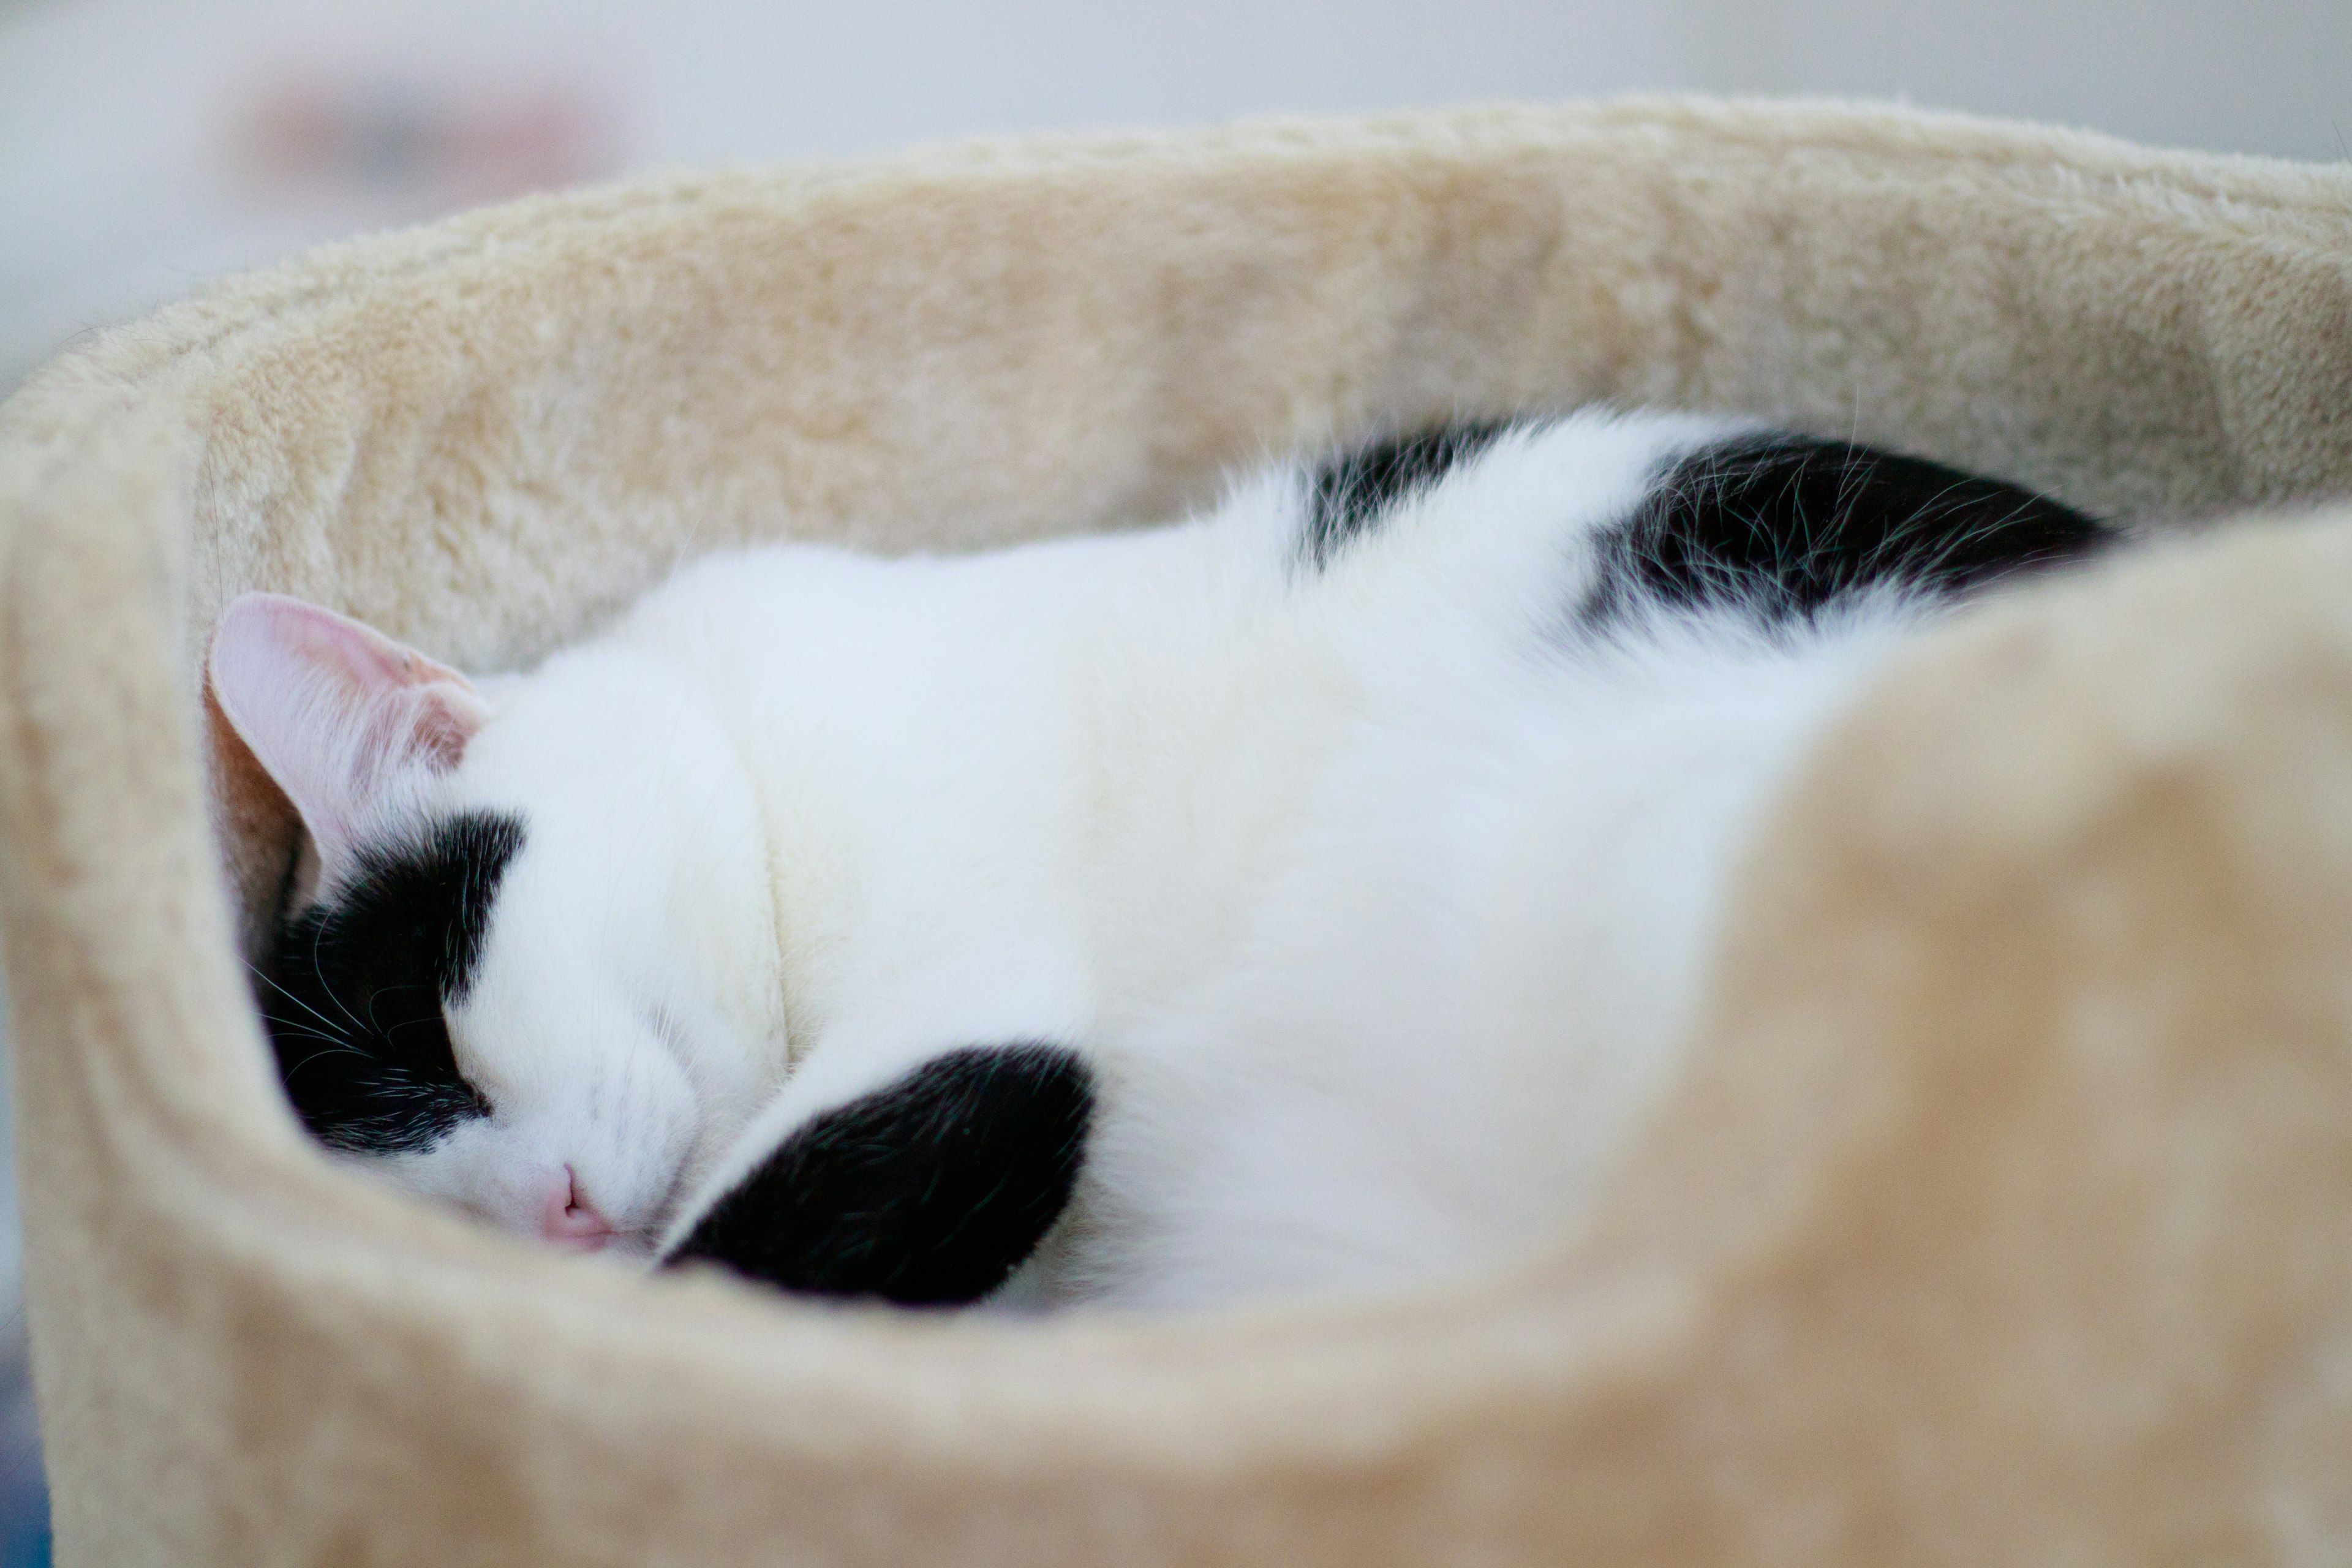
1378, 897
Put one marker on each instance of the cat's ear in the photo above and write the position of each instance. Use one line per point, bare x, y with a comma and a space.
334, 711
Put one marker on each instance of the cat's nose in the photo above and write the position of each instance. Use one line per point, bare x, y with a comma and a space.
570, 1220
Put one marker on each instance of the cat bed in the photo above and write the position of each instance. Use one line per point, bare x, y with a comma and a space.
2002, 1214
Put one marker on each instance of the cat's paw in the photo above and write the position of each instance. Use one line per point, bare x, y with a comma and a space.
929, 1191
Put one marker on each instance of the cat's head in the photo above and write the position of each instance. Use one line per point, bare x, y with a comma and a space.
505, 977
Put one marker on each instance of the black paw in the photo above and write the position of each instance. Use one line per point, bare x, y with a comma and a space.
928, 1192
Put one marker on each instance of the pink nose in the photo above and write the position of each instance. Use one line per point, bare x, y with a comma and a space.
570, 1220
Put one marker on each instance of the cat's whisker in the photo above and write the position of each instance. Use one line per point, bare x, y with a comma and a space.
318, 937
273, 984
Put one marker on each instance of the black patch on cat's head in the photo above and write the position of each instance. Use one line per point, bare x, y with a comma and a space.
1783, 526
1353, 492
927, 1191
357, 984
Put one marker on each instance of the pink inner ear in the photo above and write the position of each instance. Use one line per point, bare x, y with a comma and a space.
441, 733
364, 655
334, 709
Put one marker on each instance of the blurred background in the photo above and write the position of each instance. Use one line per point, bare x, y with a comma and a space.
147, 146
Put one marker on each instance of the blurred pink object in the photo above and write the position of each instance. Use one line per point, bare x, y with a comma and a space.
439, 140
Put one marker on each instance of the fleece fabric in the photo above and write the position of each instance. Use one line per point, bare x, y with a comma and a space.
2003, 1214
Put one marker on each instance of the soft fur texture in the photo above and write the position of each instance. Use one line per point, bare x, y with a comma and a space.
1998, 1210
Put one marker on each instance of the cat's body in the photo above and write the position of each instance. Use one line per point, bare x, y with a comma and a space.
1313, 894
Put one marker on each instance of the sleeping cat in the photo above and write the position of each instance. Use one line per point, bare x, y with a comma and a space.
1308, 896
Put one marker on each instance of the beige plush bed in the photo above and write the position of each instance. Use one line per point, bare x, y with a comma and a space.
2005, 1213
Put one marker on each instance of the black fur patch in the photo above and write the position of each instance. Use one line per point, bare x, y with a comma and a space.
357, 984
928, 1192
1786, 525
1351, 493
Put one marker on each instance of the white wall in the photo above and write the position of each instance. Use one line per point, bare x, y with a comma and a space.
116, 190
2271, 77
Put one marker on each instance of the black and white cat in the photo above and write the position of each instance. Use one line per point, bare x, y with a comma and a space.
1308, 896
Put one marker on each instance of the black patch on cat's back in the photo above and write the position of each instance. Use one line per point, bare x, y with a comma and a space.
1351, 493
357, 984
927, 1191
1783, 526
